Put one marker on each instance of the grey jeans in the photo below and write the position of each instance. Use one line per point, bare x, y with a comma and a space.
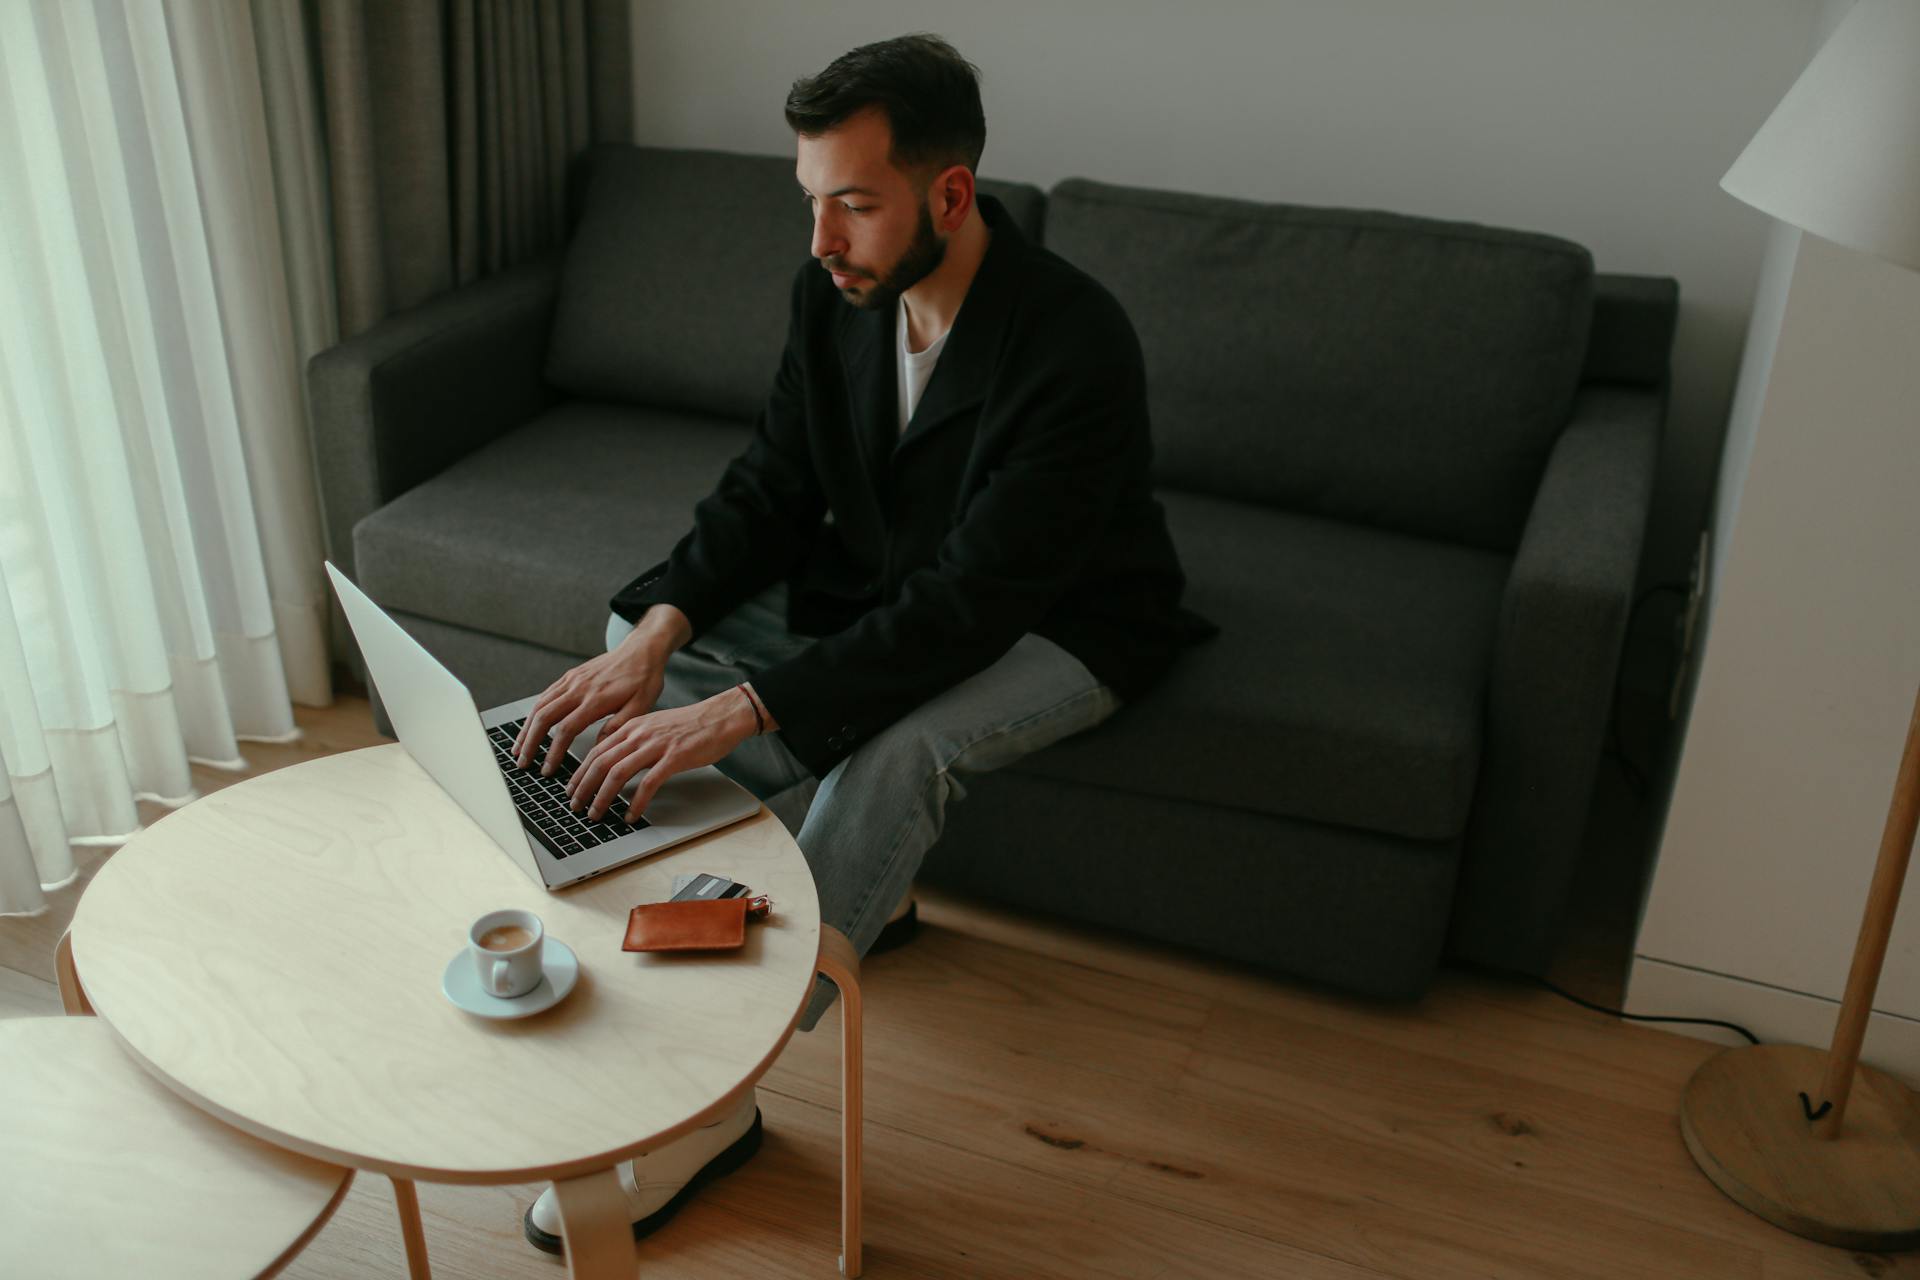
866, 826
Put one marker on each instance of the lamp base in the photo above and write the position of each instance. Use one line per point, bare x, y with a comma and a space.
1743, 1122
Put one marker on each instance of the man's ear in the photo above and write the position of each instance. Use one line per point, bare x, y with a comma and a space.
951, 198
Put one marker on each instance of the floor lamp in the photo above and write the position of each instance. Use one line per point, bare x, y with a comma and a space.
1816, 1142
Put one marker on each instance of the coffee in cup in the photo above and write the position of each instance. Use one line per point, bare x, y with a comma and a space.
506, 937
509, 950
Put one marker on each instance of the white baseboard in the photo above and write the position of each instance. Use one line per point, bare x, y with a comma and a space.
1774, 1014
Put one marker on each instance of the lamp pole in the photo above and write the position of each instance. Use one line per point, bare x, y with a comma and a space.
1876, 925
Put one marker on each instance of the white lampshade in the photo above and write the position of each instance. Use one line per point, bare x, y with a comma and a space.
1840, 155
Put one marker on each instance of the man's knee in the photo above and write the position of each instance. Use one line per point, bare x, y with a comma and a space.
949, 739
902, 770
915, 746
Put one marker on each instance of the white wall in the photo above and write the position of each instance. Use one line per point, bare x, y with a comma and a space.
1605, 121
1756, 361
1807, 683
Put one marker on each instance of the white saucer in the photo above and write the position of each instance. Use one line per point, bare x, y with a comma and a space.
461, 984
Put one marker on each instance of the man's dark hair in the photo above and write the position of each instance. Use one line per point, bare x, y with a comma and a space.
931, 96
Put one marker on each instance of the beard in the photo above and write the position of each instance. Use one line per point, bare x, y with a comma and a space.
916, 262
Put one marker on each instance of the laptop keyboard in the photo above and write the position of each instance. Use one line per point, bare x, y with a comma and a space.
543, 801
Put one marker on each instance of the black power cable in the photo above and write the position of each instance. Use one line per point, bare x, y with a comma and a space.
1537, 980
1647, 1017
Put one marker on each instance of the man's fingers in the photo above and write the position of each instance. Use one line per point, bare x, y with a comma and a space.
536, 732
586, 707
606, 748
648, 756
665, 767
606, 754
587, 777
543, 714
605, 741
632, 709
565, 730
608, 740
526, 726
564, 696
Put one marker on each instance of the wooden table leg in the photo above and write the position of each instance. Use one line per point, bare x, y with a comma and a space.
840, 963
594, 1224
407, 1200
73, 998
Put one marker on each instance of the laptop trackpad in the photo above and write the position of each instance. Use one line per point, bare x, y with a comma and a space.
696, 798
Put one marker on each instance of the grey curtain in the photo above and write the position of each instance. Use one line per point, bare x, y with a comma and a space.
449, 129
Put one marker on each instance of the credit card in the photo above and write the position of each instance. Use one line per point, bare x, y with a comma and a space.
704, 886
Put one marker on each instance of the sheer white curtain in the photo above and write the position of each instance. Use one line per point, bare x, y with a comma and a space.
160, 595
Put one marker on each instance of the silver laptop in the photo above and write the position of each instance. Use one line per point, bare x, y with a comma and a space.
470, 754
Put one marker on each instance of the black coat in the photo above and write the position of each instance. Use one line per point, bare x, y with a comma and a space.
1017, 501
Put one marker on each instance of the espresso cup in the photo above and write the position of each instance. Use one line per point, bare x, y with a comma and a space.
508, 948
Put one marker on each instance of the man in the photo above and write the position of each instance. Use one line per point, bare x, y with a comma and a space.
938, 553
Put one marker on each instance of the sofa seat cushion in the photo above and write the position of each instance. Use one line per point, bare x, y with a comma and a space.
528, 536
1345, 687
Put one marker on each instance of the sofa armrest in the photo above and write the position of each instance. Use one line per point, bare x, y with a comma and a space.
1556, 652
395, 405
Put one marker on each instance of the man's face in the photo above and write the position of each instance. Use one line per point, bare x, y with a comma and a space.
871, 225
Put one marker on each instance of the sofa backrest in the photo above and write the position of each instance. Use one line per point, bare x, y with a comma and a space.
1406, 373
674, 288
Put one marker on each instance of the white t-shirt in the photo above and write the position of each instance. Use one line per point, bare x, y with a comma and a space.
915, 368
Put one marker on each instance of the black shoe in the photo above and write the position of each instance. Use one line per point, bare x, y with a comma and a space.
726, 1162
897, 933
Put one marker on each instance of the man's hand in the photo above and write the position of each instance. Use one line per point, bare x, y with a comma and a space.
663, 743
621, 684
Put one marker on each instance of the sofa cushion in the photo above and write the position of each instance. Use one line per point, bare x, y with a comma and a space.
1404, 372
528, 536
675, 289
1345, 687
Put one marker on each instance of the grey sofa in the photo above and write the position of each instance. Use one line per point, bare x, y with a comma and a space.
1407, 464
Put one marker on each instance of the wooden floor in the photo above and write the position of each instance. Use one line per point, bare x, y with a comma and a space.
1051, 1101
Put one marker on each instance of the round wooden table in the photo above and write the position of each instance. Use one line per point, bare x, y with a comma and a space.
273, 952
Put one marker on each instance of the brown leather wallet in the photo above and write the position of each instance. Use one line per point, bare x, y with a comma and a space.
712, 925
